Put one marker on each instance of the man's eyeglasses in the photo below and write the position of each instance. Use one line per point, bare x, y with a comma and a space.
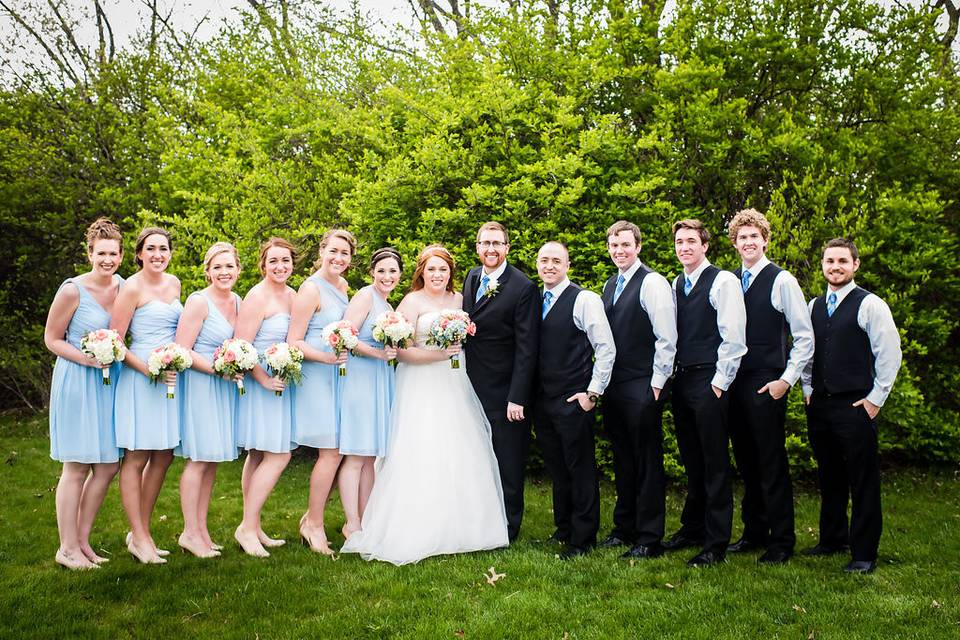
496, 244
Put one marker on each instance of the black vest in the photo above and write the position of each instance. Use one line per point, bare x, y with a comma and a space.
843, 361
697, 335
767, 328
632, 330
566, 355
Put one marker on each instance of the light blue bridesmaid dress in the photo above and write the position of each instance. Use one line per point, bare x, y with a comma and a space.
208, 408
316, 402
81, 406
366, 394
263, 418
144, 418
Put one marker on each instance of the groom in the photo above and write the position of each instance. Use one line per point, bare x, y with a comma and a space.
502, 357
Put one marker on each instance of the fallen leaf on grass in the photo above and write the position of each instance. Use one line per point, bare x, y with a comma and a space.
934, 605
799, 609
12, 458
810, 637
669, 586
163, 518
459, 633
494, 576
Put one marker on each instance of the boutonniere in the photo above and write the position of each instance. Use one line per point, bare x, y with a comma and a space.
493, 288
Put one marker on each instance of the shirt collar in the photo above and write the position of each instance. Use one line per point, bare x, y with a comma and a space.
629, 273
757, 268
558, 288
842, 291
693, 277
496, 273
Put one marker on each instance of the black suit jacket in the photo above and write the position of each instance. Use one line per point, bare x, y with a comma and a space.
502, 356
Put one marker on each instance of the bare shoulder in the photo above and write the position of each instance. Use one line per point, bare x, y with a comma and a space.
343, 285
255, 294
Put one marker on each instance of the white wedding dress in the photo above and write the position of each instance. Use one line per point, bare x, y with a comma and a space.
437, 491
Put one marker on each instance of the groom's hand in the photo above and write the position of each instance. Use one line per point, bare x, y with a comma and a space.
584, 399
514, 412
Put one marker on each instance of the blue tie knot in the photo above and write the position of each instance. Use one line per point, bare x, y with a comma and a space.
484, 282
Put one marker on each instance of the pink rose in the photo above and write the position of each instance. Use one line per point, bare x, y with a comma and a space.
230, 356
471, 329
334, 339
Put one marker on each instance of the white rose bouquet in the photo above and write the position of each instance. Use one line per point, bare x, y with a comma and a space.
104, 346
285, 362
235, 357
393, 330
169, 357
341, 336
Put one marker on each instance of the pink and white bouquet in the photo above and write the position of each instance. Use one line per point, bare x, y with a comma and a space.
285, 362
452, 326
104, 346
234, 358
393, 330
169, 357
341, 336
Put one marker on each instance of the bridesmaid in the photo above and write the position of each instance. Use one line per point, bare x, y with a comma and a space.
367, 392
81, 406
209, 405
321, 300
146, 422
264, 419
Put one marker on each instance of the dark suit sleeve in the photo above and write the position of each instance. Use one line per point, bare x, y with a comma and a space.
526, 345
468, 293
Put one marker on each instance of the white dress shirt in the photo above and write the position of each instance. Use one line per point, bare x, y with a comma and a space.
496, 274
726, 297
787, 298
875, 319
590, 317
660, 305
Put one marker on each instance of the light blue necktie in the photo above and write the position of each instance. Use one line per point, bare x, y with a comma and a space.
621, 281
484, 281
745, 280
687, 285
547, 301
831, 303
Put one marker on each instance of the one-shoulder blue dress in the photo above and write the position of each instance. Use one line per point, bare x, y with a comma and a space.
144, 418
208, 409
316, 402
263, 418
81, 406
366, 394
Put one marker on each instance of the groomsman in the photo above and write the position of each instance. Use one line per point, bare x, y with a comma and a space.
502, 357
640, 308
576, 357
855, 362
776, 308
711, 327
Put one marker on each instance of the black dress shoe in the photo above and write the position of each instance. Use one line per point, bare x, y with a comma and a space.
824, 550
643, 551
743, 545
861, 566
556, 536
572, 552
680, 540
705, 559
774, 556
611, 541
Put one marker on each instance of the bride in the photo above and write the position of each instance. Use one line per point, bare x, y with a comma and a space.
437, 490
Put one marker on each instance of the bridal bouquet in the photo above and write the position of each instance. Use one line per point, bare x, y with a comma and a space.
169, 357
393, 330
450, 327
285, 362
104, 346
341, 336
235, 357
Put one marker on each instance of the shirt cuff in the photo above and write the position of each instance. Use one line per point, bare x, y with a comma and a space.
720, 381
807, 390
877, 396
658, 380
790, 375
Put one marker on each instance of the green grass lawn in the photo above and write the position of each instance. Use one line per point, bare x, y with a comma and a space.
915, 593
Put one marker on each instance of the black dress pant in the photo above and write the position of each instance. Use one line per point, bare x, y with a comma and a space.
701, 423
565, 435
511, 441
634, 422
844, 441
757, 432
